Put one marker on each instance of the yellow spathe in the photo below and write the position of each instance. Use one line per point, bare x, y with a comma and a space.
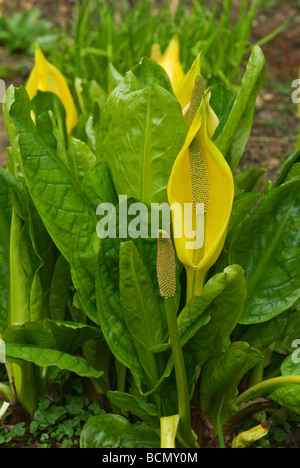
170, 61
45, 77
220, 184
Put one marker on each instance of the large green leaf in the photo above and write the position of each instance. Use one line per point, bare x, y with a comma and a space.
67, 209
287, 396
46, 357
224, 297
249, 179
109, 310
141, 310
70, 336
141, 132
234, 129
81, 158
146, 134
291, 365
262, 335
114, 431
207, 321
290, 169
134, 405
104, 431
220, 379
242, 206
56, 195
109, 307
60, 335
97, 187
31, 333
267, 246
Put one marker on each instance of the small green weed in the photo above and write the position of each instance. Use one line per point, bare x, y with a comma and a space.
57, 422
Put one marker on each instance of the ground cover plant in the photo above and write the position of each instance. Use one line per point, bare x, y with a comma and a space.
185, 345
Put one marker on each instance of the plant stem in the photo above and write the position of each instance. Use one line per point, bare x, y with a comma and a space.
256, 375
219, 426
195, 280
267, 386
121, 376
180, 372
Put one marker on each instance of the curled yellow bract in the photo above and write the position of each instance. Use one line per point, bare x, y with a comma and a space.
170, 61
201, 179
46, 77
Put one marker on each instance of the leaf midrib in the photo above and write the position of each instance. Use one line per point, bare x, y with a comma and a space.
144, 177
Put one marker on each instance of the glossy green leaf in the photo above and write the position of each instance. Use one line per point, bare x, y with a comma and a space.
56, 195
70, 336
31, 333
235, 127
287, 396
50, 112
206, 323
262, 335
46, 357
140, 307
220, 379
294, 173
291, 364
131, 404
242, 206
249, 179
114, 431
141, 132
290, 169
224, 297
97, 187
147, 71
104, 431
221, 99
267, 246
67, 209
81, 158
61, 335
109, 310
109, 307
